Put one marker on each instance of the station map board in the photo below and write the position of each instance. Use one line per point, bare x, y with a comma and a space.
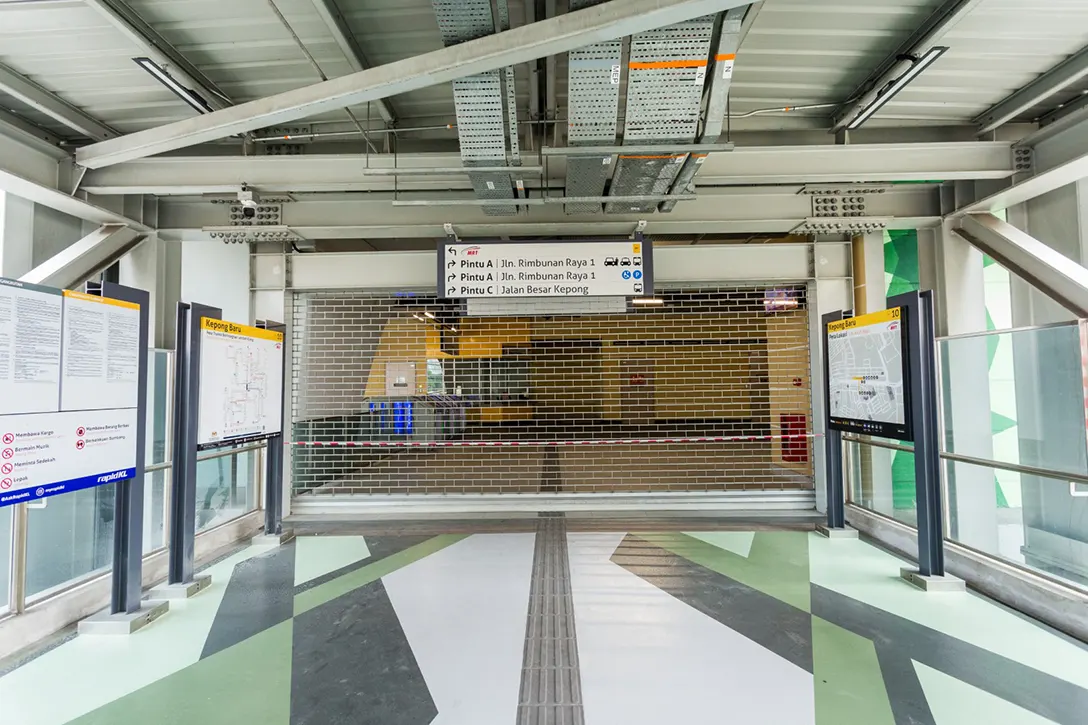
69, 391
546, 269
241, 383
867, 376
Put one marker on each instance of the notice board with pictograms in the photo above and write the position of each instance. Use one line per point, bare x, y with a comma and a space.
69, 391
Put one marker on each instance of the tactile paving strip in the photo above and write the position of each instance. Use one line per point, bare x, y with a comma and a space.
551, 684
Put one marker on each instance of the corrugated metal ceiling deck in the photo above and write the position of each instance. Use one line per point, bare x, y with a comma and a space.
797, 52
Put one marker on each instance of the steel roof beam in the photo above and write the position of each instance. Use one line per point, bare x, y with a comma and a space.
829, 163
1065, 74
776, 209
156, 47
1057, 276
349, 46
936, 26
613, 19
53, 105
87, 257
44, 192
26, 131
1036, 186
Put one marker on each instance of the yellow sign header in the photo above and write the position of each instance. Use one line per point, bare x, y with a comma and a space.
874, 318
101, 300
232, 328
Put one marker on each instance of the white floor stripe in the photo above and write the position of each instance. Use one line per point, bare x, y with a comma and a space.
464, 610
648, 658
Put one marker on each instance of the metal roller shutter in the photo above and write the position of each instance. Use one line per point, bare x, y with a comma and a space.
405, 393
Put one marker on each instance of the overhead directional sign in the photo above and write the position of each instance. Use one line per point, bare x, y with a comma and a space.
546, 269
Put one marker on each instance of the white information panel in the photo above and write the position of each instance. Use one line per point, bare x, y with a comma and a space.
30, 347
867, 376
45, 454
69, 391
101, 353
546, 269
241, 383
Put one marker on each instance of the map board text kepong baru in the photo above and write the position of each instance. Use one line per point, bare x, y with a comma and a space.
241, 383
867, 376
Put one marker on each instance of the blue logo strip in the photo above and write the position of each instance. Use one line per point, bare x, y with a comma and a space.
75, 484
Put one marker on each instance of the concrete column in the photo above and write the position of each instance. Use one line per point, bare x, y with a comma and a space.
155, 266
16, 235
965, 390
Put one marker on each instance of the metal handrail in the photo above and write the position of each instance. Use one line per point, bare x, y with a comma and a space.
223, 453
1028, 328
982, 462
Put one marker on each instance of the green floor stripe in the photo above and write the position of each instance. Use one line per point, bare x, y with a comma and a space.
776, 565
328, 591
247, 683
849, 688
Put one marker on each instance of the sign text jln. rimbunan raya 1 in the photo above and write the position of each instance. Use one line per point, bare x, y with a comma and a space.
548, 269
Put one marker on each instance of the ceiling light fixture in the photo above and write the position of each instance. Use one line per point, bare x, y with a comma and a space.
428, 314
891, 90
159, 73
648, 301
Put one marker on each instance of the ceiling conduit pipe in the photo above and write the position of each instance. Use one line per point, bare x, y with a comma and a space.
666, 76
717, 102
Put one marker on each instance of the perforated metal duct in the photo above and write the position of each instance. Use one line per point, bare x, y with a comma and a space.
717, 100
667, 72
481, 102
593, 93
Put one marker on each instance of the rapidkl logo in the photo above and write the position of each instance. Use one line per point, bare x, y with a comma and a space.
472, 251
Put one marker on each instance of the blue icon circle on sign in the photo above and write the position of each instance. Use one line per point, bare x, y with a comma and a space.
638, 274
626, 274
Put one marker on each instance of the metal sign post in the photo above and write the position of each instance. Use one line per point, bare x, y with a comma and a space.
922, 370
181, 582
836, 489
273, 477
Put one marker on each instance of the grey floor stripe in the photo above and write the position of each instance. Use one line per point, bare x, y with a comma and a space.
769, 622
905, 693
260, 595
352, 665
1041, 693
551, 684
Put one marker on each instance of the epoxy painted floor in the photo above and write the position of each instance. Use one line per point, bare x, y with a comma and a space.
561, 621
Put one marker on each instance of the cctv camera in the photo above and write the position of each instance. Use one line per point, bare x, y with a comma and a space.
249, 201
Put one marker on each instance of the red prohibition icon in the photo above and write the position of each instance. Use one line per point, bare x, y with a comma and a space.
7, 468
5, 484
80, 431
8, 453
8, 439
80, 444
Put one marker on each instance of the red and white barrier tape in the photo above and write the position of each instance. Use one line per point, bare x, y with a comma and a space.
501, 444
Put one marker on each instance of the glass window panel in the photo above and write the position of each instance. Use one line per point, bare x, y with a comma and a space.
1043, 525
225, 489
6, 522
155, 510
882, 480
69, 537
